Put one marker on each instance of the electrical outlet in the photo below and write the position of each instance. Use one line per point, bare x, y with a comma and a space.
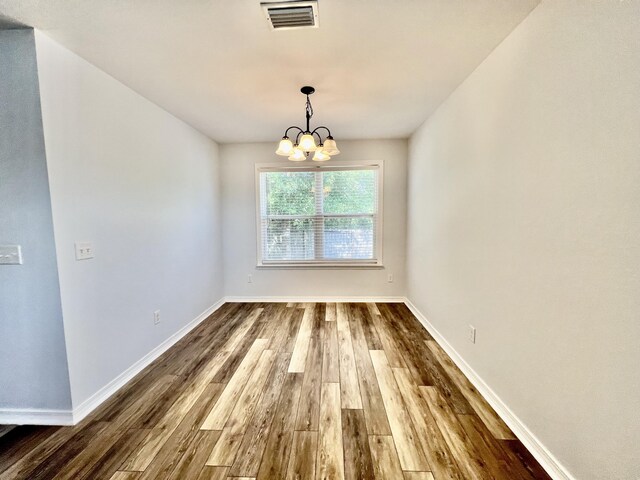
10, 255
390, 278
250, 279
472, 334
156, 317
84, 250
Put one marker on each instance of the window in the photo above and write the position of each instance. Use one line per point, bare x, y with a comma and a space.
319, 215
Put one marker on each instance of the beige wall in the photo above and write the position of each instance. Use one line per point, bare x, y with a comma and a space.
239, 227
524, 220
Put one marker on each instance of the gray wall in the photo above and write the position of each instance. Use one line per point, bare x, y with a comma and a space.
33, 366
143, 187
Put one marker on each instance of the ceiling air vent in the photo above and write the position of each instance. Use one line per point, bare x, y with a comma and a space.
288, 15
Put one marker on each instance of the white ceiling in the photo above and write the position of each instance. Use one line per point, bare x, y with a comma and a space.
380, 67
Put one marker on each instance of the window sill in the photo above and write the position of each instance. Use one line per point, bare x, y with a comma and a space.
328, 265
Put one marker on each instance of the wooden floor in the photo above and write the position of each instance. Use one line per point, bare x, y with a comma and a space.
292, 391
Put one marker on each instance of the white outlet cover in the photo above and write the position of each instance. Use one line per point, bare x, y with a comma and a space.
84, 250
10, 255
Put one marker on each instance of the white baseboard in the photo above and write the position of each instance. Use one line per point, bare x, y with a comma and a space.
35, 416
93, 402
12, 416
546, 459
303, 299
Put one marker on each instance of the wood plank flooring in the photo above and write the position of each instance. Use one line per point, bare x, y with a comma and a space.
286, 391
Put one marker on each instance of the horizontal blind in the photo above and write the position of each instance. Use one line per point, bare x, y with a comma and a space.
318, 215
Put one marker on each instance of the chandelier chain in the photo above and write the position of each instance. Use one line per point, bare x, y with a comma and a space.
309, 108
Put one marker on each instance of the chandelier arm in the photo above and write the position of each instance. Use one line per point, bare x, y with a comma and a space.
319, 137
318, 128
286, 132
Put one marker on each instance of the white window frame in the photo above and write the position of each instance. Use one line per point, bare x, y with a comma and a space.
378, 234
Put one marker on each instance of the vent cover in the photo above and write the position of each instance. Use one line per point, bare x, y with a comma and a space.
289, 15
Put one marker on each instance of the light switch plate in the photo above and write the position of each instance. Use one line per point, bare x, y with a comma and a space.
84, 250
10, 255
472, 334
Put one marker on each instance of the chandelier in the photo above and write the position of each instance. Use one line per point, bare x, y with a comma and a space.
305, 141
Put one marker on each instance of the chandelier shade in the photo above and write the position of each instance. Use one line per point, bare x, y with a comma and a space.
285, 148
320, 155
330, 147
305, 140
307, 143
298, 155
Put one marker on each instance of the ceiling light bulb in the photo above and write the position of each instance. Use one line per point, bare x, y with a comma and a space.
320, 155
330, 147
298, 155
307, 143
285, 148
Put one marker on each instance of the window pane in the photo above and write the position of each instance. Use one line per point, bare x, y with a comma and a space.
289, 193
319, 215
350, 238
350, 191
290, 239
